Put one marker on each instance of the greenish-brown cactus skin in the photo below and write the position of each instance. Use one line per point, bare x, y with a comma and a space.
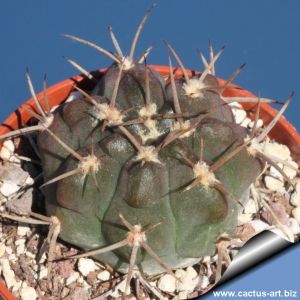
151, 191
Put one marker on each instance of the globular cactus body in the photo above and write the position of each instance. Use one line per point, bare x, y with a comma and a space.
148, 149
146, 190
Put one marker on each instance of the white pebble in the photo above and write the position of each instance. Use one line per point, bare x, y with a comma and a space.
121, 287
294, 226
244, 218
204, 282
188, 280
86, 265
8, 273
2, 249
246, 122
181, 296
277, 150
290, 172
31, 255
7, 150
20, 249
167, 283
239, 115
8, 250
43, 272
276, 174
8, 188
104, 275
191, 272
28, 293
72, 278
272, 183
259, 225
250, 207
295, 198
20, 242
12, 257
23, 230
259, 123
296, 213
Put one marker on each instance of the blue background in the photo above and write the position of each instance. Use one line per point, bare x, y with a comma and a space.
262, 33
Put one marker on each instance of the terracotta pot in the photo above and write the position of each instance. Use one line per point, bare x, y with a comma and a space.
283, 132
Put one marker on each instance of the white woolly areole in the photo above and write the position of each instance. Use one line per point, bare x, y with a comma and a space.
90, 162
182, 126
153, 133
148, 110
110, 114
127, 63
202, 172
47, 121
194, 87
136, 237
148, 153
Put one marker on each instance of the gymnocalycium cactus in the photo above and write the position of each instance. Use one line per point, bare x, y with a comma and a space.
148, 152
146, 171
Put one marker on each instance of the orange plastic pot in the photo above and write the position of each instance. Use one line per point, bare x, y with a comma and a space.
283, 132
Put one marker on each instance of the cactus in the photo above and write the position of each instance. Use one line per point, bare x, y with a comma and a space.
146, 171
148, 151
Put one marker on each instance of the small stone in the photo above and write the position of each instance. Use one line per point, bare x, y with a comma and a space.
280, 212
291, 172
277, 150
294, 226
188, 280
244, 218
43, 272
191, 272
245, 232
20, 249
12, 257
21, 205
296, 213
276, 174
295, 198
8, 250
8, 188
167, 283
104, 275
182, 295
8, 273
272, 183
246, 122
259, 124
250, 207
23, 230
7, 150
204, 282
259, 225
239, 115
86, 265
2, 249
78, 293
72, 278
20, 242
